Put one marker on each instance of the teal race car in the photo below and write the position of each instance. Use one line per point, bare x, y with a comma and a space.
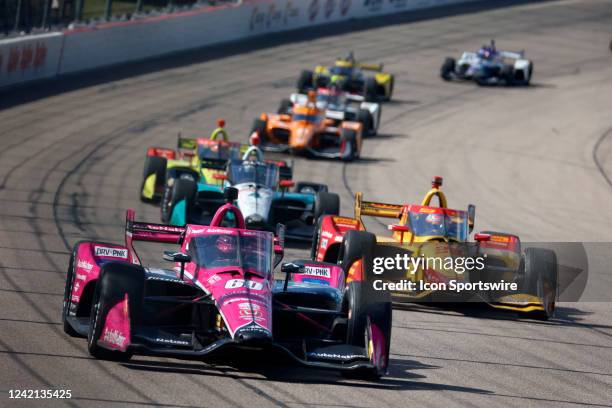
266, 196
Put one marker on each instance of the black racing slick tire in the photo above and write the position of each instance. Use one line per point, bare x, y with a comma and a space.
355, 245
540, 279
153, 165
326, 203
529, 74
259, 127
391, 86
357, 314
304, 82
447, 69
285, 107
362, 315
316, 237
172, 175
184, 188
364, 116
370, 91
68, 329
348, 138
116, 280
507, 74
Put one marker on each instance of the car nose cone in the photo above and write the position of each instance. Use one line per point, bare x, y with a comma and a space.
252, 338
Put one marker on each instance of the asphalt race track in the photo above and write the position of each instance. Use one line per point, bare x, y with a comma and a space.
536, 161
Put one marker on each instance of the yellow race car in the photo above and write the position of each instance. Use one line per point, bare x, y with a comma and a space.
350, 76
428, 256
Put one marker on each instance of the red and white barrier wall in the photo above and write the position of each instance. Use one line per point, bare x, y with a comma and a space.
30, 58
45, 56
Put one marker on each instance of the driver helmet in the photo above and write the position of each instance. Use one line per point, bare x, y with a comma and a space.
487, 51
435, 219
226, 245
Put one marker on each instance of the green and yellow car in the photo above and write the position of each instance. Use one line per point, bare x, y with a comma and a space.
199, 157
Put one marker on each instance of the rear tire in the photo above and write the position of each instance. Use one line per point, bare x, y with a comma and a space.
540, 279
364, 116
447, 69
183, 189
529, 74
116, 280
153, 165
285, 106
355, 245
304, 82
349, 138
370, 91
391, 86
259, 127
165, 203
172, 175
316, 237
326, 203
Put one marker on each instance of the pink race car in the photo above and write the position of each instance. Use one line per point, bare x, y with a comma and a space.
221, 296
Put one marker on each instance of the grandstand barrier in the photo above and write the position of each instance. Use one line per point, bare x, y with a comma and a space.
86, 48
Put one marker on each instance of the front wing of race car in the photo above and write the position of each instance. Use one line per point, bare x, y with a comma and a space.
337, 357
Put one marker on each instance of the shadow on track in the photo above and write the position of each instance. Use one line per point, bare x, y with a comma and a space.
564, 316
398, 380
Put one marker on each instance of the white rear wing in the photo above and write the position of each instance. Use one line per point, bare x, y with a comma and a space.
512, 54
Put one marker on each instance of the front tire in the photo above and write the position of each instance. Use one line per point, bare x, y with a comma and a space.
391, 86
350, 150
447, 69
326, 203
364, 317
304, 82
540, 279
68, 329
153, 166
285, 107
507, 74
259, 127
355, 245
116, 280
529, 74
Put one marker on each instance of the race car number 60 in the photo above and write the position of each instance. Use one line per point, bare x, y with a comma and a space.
241, 283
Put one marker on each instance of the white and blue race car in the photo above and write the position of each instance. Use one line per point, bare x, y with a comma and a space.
489, 66
262, 195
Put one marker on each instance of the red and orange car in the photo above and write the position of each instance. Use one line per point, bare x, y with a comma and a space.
306, 130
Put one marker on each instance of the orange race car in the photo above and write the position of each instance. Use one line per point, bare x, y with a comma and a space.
306, 130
